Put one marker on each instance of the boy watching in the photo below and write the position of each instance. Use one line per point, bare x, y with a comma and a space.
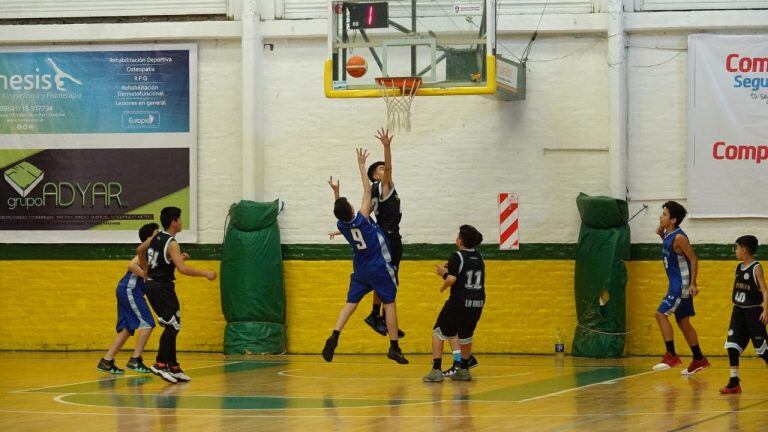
164, 256
682, 266
133, 314
749, 316
464, 273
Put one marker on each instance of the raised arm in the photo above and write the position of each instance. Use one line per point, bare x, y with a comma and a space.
335, 187
365, 206
683, 245
386, 140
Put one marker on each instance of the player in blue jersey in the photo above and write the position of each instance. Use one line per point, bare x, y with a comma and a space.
133, 314
371, 264
682, 266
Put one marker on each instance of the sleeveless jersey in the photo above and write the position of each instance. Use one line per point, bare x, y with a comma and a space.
469, 268
368, 242
386, 209
678, 266
746, 290
161, 268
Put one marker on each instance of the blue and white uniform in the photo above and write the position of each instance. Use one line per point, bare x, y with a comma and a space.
678, 299
132, 310
372, 262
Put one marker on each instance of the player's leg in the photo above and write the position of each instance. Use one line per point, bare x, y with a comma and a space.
161, 301
107, 363
374, 319
683, 316
735, 343
757, 332
467, 323
667, 307
435, 374
395, 353
144, 326
358, 288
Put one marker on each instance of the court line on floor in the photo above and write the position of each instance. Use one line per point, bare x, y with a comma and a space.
612, 381
114, 377
421, 402
736, 411
270, 415
286, 374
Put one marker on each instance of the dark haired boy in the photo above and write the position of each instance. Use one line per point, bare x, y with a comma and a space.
681, 265
133, 314
371, 262
464, 273
749, 316
164, 256
386, 210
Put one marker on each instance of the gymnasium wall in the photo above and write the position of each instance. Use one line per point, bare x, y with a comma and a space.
462, 152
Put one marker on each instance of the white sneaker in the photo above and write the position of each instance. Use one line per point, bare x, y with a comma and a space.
163, 373
179, 374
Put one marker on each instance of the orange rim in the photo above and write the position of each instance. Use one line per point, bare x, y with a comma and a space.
404, 84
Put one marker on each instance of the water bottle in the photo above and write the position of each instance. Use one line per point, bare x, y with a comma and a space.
559, 345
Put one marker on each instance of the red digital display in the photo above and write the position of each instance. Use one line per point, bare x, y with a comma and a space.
368, 15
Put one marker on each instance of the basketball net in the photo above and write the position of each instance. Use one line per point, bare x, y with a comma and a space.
398, 93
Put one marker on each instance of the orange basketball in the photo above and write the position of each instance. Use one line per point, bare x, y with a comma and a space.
357, 66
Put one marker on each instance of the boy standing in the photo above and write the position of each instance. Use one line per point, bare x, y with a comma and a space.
465, 275
749, 316
372, 269
682, 266
164, 256
133, 314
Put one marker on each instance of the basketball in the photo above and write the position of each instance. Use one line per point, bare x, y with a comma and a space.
357, 66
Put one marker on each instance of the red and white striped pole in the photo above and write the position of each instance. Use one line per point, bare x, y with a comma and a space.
508, 222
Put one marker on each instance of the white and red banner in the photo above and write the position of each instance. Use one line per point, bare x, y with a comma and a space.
508, 222
728, 125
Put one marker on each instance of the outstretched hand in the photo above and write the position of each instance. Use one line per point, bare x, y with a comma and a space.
334, 186
384, 136
362, 156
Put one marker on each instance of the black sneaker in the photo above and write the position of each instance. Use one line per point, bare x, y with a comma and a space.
452, 370
330, 347
374, 322
472, 362
137, 364
397, 355
381, 323
108, 366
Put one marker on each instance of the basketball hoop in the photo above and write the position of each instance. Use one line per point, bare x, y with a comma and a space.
398, 93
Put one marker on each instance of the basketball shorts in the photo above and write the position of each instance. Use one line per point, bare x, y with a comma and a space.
745, 325
378, 279
673, 302
162, 297
132, 310
458, 319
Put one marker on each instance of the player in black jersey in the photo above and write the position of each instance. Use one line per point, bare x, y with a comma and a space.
750, 310
464, 273
386, 210
161, 256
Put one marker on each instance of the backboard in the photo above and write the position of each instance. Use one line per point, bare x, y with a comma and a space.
449, 44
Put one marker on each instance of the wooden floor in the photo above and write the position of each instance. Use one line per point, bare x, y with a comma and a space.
65, 392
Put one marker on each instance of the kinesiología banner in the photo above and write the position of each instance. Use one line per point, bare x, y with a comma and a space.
728, 125
94, 141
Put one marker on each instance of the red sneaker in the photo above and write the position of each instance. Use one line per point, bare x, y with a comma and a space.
734, 386
695, 366
668, 361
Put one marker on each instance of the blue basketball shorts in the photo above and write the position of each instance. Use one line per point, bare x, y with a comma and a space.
132, 309
673, 302
379, 280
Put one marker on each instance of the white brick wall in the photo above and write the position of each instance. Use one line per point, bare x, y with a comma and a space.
463, 150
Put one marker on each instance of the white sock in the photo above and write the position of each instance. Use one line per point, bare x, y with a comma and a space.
734, 373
